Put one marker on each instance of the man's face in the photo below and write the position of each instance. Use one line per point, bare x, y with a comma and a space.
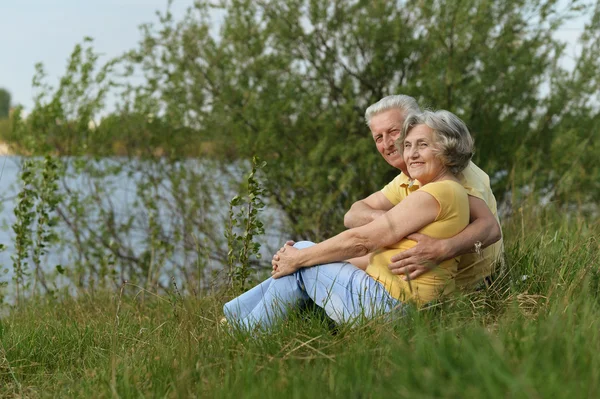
386, 128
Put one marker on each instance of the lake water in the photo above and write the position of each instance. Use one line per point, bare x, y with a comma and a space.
123, 199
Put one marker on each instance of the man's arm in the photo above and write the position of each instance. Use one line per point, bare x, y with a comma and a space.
416, 212
366, 210
482, 230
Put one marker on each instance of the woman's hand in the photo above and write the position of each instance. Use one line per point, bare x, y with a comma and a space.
285, 261
276, 256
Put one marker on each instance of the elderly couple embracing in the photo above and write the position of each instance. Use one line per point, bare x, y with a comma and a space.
430, 231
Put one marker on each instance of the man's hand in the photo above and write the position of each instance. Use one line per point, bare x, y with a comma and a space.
426, 255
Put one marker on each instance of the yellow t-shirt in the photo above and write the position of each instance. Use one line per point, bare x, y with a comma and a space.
472, 267
452, 218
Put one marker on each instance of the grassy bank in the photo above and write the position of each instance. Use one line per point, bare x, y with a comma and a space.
534, 336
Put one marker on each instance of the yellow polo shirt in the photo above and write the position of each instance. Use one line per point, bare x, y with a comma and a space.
451, 219
472, 267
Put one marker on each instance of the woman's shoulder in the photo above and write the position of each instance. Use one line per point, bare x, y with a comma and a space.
444, 186
447, 192
451, 196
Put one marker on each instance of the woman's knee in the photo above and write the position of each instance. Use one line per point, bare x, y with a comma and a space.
303, 244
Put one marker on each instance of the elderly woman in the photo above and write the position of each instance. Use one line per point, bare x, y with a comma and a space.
436, 146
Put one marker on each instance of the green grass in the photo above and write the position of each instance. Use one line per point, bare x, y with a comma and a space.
532, 338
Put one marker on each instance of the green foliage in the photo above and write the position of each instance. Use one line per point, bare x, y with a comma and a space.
35, 220
142, 220
5, 128
45, 213
25, 215
4, 103
62, 118
243, 227
291, 80
146, 215
524, 337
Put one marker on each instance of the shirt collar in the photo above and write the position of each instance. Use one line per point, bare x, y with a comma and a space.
408, 182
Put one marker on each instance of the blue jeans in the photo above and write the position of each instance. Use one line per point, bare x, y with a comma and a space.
345, 292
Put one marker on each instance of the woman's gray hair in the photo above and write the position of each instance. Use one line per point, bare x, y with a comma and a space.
454, 144
399, 101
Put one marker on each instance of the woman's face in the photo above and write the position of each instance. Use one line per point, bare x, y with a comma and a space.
419, 155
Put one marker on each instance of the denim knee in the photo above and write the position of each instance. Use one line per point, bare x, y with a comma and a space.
303, 244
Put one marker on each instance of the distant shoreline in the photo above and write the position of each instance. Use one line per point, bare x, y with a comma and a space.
5, 149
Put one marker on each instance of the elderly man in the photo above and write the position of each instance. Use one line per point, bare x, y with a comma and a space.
437, 146
480, 243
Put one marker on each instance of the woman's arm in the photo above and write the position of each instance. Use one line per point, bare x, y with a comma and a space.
417, 211
360, 262
483, 227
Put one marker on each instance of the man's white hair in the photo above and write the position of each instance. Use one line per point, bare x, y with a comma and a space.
407, 104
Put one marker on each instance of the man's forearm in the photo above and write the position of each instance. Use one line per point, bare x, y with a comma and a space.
477, 235
360, 214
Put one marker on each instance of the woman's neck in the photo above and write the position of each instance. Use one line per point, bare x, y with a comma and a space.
443, 175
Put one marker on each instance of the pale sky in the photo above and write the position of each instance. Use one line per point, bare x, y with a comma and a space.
47, 30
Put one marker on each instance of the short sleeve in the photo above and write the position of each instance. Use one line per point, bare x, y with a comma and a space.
442, 194
477, 184
395, 191
475, 181
392, 190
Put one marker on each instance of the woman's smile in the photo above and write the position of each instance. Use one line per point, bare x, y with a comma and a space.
419, 155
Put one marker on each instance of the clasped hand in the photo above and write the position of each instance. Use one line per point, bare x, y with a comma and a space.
423, 257
284, 261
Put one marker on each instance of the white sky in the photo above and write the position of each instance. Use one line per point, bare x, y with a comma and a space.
46, 31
